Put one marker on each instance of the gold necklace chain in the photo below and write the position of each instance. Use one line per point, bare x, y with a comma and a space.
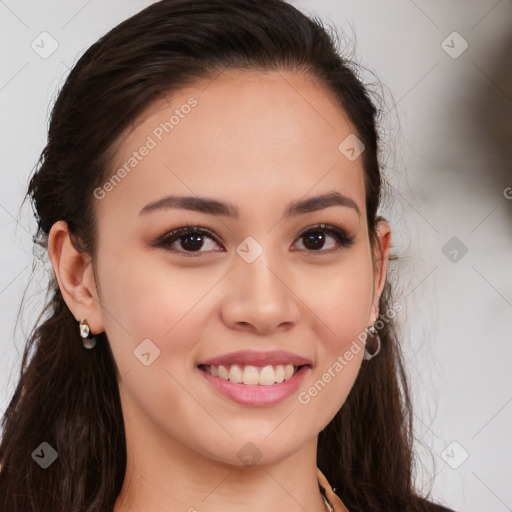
327, 504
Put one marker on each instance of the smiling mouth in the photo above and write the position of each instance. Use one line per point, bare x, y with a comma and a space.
253, 375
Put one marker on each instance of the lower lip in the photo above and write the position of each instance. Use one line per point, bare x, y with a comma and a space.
257, 395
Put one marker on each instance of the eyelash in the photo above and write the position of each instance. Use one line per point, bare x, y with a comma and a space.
165, 241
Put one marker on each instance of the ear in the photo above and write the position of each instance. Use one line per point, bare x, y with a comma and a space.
380, 263
74, 273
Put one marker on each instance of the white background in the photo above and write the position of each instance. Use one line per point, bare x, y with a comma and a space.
448, 141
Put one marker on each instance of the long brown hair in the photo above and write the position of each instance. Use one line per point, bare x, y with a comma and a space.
67, 396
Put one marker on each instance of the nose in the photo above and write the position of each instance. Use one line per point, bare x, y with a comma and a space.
260, 297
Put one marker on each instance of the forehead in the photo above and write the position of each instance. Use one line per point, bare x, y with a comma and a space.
253, 135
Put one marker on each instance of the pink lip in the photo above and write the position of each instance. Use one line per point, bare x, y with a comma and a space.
256, 358
257, 395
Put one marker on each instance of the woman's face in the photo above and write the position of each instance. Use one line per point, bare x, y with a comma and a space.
255, 274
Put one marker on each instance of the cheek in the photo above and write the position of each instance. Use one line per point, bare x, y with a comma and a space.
341, 296
152, 301
343, 306
350, 304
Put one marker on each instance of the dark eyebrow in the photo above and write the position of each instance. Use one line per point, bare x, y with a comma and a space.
320, 202
214, 207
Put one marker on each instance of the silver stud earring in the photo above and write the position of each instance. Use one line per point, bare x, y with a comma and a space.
367, 356
88, 340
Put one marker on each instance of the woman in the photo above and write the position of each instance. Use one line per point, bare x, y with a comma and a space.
221, 332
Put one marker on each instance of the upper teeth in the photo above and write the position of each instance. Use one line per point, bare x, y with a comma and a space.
253, 375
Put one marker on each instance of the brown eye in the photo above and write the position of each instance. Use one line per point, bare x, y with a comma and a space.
192, 241
187, 240
315, 239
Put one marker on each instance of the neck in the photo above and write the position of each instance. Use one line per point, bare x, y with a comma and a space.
163, 474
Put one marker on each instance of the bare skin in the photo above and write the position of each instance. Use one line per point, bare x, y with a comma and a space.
257, 141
